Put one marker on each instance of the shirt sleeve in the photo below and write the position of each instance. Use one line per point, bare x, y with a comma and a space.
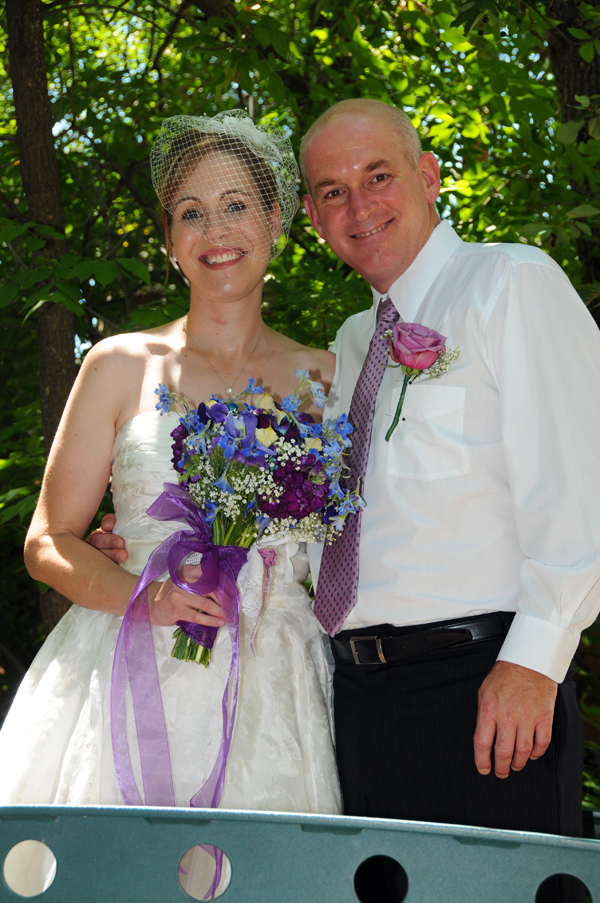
544, 351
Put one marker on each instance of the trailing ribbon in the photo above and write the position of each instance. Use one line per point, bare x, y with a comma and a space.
135, 656
269, 557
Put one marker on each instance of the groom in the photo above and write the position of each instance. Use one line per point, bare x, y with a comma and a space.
457, 605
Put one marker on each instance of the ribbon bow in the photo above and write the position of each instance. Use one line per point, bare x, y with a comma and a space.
135, 655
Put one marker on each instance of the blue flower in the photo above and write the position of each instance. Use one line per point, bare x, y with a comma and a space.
302, 374
228, 444
223, 485
346, 506
253, 389
343, 427
263, 522
210, 512
319, 396
334, 449
164, 399
290, 404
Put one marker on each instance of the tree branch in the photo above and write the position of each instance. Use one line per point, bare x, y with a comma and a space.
170, 33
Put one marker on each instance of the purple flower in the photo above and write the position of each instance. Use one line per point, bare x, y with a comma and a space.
304, 489
414, 346
179, 434
288, 429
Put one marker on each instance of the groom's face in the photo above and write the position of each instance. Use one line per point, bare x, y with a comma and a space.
368, 201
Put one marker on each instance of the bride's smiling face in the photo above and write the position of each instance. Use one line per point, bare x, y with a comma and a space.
222, 229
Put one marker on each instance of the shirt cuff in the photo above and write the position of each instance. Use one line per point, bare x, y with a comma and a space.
540, 645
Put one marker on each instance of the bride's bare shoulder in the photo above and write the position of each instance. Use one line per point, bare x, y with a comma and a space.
132, 346
319, 363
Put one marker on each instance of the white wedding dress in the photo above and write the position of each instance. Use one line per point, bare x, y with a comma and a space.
55, 746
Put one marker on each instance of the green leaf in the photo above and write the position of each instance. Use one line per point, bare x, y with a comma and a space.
587, 51
71, 291
294, 51
582, 99
592, 126
10, 231
34, 244
106, 271
21, 509
84, 270
580, 34
8, 293
136, 267
264, 37
69, 303
276, 88
34, 308
531, 229
281, 43
582, 210
568, 131
50, 232
42, 291
467, 17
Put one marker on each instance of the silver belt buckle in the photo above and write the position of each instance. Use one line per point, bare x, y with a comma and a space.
359, 639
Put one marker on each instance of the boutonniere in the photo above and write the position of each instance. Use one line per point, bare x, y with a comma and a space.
419, 351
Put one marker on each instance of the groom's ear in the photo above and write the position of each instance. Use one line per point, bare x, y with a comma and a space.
311, 212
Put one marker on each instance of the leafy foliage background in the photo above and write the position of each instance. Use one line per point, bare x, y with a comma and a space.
480, 81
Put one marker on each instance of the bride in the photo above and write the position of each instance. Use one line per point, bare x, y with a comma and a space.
227, 190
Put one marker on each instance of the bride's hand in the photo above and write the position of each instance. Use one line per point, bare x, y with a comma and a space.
171, 604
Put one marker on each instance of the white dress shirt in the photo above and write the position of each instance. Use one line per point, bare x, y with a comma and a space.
487, 496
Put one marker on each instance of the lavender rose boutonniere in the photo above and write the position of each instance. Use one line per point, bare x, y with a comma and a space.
417, 350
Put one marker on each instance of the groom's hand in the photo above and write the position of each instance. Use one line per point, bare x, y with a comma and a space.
106, 541
516, 708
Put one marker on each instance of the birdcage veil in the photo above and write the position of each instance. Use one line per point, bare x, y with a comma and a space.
263, 151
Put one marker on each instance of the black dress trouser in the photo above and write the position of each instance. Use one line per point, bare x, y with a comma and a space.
404, 738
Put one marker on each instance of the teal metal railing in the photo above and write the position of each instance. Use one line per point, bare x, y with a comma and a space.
113, 854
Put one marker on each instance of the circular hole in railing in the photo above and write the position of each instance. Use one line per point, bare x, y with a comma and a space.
563, 887
380, 879
30, 868
204, 872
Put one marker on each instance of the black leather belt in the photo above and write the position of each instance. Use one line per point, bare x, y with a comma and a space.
381, 650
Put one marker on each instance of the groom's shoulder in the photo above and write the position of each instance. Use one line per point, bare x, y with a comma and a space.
354, 328
511, 254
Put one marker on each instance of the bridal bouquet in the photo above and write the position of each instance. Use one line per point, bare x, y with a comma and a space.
258, 470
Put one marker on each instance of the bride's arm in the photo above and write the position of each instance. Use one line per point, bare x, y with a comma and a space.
76, 478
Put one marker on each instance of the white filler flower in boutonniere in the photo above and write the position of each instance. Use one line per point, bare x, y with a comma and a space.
418, 351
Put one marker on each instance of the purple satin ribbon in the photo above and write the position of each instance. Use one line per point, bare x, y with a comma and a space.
135, 656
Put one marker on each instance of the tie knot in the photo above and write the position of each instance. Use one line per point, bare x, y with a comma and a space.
387, 315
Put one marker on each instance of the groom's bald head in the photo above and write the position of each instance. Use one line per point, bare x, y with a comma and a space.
372, 109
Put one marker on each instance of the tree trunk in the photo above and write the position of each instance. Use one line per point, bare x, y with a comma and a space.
573, 75
41, 186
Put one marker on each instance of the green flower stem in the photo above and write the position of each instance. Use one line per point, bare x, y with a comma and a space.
399, 408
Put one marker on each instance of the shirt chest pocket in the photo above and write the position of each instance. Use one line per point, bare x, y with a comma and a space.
428, 442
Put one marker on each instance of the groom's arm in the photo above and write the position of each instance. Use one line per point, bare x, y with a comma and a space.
551, 446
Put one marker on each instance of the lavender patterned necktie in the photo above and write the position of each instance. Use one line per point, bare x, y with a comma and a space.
338, 575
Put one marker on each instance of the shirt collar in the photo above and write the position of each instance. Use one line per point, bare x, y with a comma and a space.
407, 292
